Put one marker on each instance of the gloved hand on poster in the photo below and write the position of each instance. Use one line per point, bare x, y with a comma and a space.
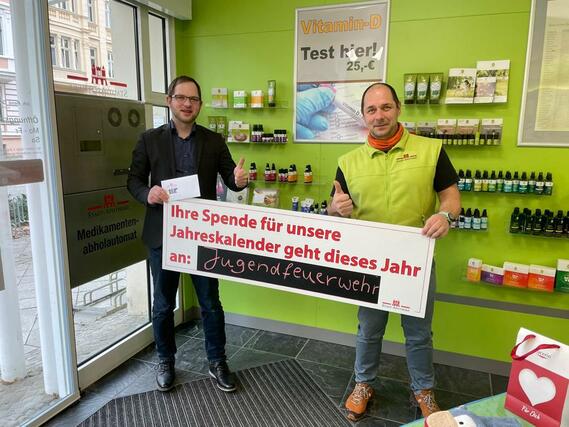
311, 102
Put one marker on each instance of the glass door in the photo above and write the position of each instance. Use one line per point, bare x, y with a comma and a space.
38, 376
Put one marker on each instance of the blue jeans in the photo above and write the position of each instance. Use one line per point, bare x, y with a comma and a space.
418, 343
213, 318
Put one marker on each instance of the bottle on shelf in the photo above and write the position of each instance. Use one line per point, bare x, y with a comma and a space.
460, 180
549, 224
461, 219
292, 174
476, 220
516, 183
308, 174
273, 173
468, 181
559, 223
267, 172
523, 185
539, 184
468, 219
324, 208
515, 221
529, 221
537, 226
508, 182
531, 183
500, 182
253, 172
548, 190
492, 182
485, 181
484, 220
477, 181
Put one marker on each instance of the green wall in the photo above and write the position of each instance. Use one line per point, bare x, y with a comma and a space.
240, 45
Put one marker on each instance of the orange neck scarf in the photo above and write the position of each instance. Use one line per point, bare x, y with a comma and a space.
386, 144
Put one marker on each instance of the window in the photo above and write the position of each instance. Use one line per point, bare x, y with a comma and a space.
76, 55
2, 35
68, 5
108, 13
93, 56
65, 52
90, 11
158, 68
98, 69
110, 70
53, 51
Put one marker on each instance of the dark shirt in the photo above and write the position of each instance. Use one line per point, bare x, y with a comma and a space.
184, 152
445, 175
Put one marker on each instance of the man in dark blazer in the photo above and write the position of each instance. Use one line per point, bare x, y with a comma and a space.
177, 149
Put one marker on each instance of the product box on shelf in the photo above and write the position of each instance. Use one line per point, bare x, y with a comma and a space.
562, 277
541, 278
239, 99
257, 99
492, 274
474, 270
516, 275
219, 97
238, 132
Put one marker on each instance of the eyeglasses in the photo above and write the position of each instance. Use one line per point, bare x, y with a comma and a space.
181, 99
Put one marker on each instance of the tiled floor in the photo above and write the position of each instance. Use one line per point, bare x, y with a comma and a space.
330, 365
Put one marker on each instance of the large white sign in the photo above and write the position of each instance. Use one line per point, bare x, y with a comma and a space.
364, 263
340, 50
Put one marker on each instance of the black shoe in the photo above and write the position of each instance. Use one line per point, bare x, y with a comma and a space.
165, 376
223, 376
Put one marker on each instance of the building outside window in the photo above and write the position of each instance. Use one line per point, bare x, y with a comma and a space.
110, 70
65, 53
52, 48
108, 13
93, 56
76, 55
68, 5
2, 36
90, 11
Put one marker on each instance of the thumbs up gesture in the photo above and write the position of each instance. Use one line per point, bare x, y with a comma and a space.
341, 202
241, 175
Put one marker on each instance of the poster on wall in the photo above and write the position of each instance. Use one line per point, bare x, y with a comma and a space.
544, 119
313, 255
339, 51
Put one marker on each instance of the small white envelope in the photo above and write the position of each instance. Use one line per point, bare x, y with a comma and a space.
185, 187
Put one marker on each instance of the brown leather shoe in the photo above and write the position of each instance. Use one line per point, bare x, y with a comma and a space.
427, 402
356, 403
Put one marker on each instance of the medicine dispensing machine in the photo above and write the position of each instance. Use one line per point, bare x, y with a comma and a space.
102, 220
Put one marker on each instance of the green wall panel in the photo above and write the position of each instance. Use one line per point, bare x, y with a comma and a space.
240, 45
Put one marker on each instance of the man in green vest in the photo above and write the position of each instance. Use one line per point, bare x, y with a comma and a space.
395, 178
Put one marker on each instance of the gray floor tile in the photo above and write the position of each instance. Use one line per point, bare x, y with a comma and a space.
149, 353
273, 342
239, 335
464, 381
192, 356
120, 378
188, 329
147, 382
247, 358
235, 335
394, 367
331, 354
333, 381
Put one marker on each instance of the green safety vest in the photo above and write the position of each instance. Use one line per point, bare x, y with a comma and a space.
396, 187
